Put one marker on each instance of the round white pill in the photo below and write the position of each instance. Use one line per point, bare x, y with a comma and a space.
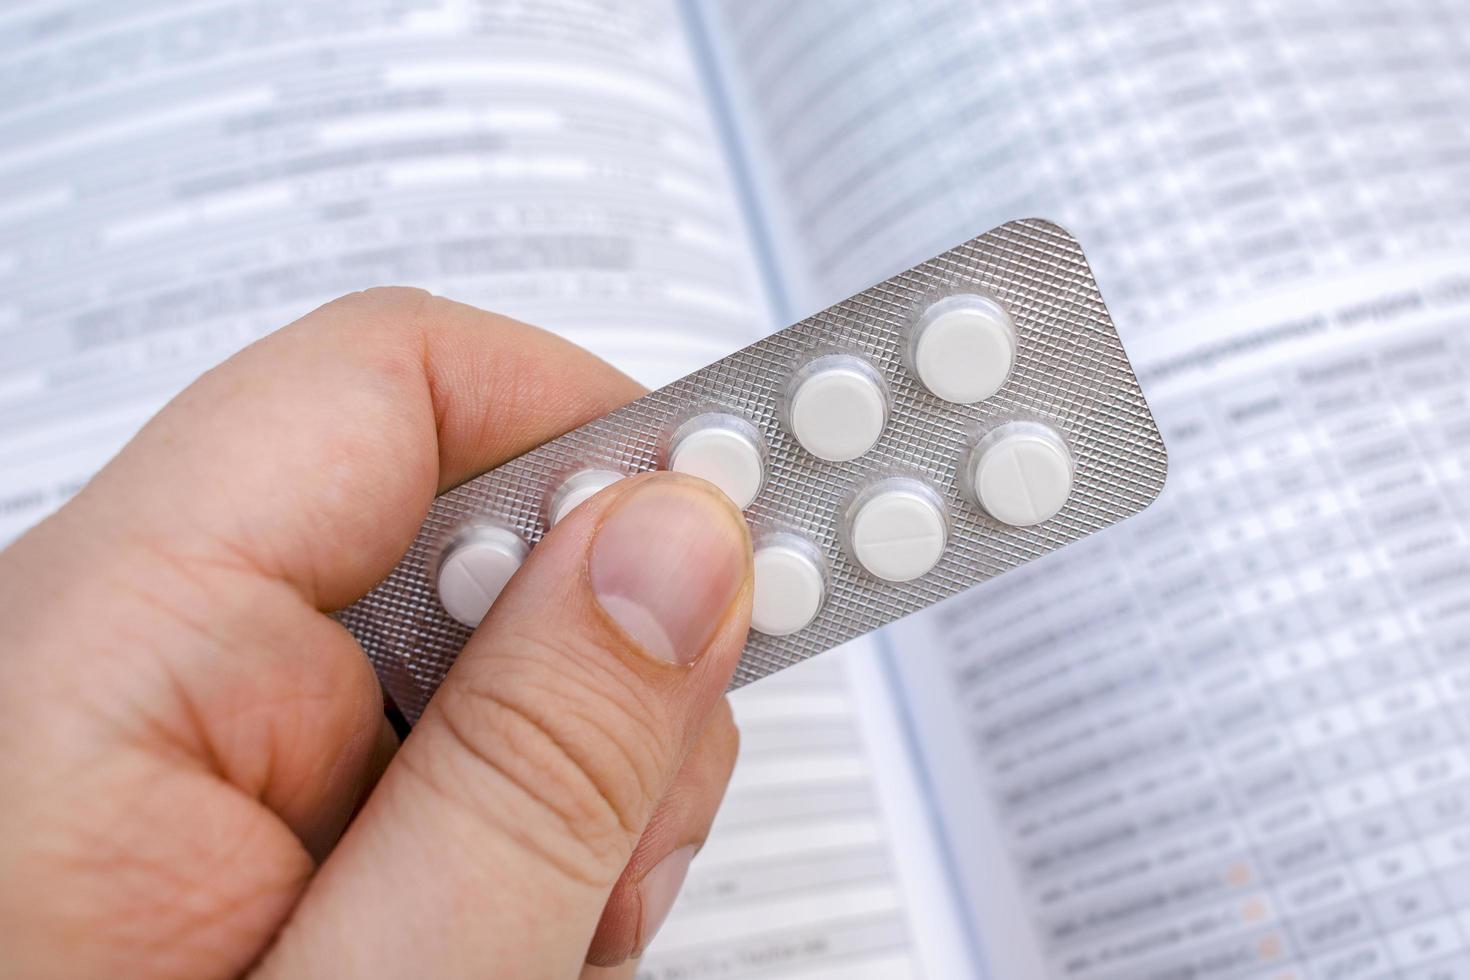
837, 407
1021, 473
577, 489
897, 530
789, 589
723, 449
475, 569
962, 348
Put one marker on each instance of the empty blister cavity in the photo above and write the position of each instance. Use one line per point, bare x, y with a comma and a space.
474, 569
962, 348
724, 449
576, 489
836, 406
897, 529
1020, 473
790, 584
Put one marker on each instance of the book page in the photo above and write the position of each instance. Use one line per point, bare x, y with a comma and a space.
1201, 150
1229, 737
1232, 734
177, 179
818, 865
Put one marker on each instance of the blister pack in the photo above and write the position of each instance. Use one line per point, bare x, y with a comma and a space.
937, 429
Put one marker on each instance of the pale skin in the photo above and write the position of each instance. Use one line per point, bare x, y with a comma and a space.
198, 778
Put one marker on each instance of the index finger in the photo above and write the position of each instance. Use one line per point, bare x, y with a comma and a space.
314, 454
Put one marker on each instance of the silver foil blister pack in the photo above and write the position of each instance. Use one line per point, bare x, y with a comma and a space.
1069, 395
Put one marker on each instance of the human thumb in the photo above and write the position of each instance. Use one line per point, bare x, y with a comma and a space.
496, 835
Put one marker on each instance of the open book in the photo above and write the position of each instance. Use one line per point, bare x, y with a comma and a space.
1229, 738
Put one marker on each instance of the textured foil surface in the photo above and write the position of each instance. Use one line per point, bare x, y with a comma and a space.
1070, 372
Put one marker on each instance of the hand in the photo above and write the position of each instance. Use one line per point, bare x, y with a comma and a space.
184, 732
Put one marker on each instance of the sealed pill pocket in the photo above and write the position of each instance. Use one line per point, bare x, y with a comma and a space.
935, 430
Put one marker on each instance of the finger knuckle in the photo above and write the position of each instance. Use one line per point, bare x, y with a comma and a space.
727, 737
580, 755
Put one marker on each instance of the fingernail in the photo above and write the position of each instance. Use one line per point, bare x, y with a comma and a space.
657, 892
666, 564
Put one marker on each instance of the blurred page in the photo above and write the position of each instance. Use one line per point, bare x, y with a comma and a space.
820, 864
1200, 150
1233, 733
177, 179
1230, 737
